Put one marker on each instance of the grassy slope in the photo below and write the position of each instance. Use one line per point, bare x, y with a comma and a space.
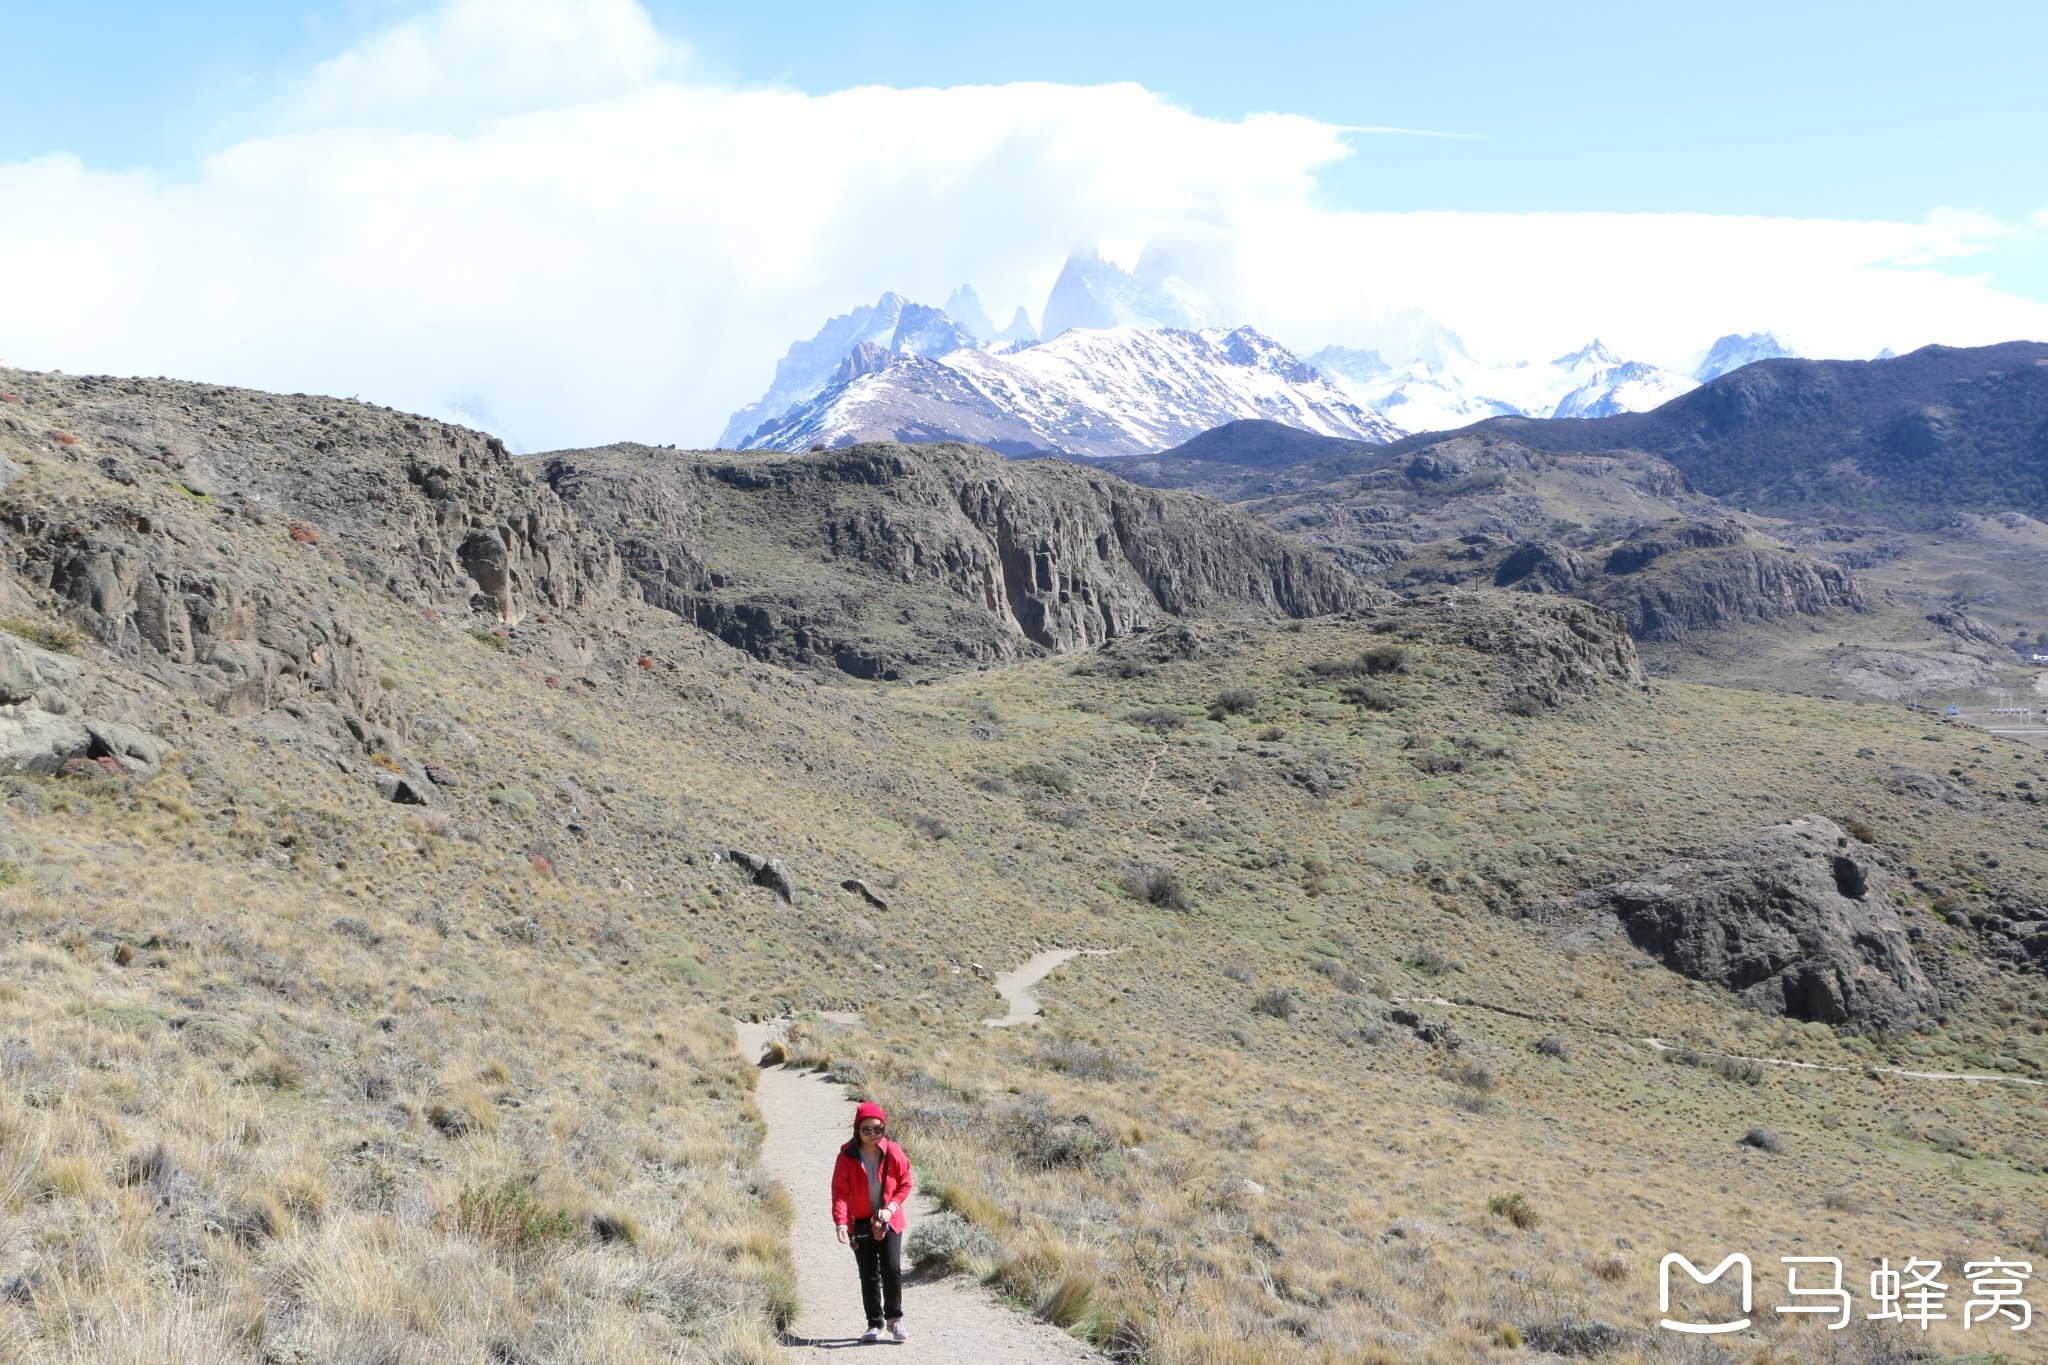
203, 962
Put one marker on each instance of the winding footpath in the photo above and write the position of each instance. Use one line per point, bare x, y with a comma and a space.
952, 1320
1019, 988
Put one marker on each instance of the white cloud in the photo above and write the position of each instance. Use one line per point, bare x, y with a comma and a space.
533, 209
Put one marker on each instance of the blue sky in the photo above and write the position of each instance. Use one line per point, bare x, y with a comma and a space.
370, 195
1867, 110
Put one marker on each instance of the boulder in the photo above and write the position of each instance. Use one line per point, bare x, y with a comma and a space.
30, 674
768, 872
1797, 919
35, 741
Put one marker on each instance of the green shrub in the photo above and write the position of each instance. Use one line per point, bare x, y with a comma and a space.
1160, 886
1235, 701
489, 639
1372, 696
1516, 1208
1277, 1003
1367, 663
1050, 776
507, 1215
56, 639
1164, 719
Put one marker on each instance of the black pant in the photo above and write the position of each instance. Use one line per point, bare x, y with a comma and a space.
881, 1273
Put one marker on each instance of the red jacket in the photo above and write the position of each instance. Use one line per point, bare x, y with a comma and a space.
850, 1184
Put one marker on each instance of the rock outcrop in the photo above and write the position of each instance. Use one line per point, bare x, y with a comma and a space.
1547, 652
884, 559
1675, 580
206, 528
43, 728
1797, 919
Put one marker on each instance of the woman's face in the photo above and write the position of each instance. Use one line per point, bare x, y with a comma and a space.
871, 1132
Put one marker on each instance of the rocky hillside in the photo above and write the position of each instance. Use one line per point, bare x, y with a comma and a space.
1903, 441
381, 873
883, 560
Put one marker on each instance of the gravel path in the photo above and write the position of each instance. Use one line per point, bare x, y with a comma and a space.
1016, 987
951, 1320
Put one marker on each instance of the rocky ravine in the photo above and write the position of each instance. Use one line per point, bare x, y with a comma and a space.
888, 559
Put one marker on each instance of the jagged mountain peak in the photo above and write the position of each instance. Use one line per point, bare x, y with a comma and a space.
1092, 293
1735, 350
1593, 354
1121, 390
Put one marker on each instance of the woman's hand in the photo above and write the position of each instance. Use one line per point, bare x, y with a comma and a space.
844, 1240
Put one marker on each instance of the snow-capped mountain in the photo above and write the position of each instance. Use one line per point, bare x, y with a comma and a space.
891, 322
1123, 390
1446, 388
1734, 351
1094, 293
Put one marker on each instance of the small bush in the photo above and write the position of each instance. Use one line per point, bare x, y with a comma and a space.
616, 1225
1072, 1057
1763, 1139
1043, 1139
1370, 663
932, 827
1050, 776
1860, 830
949, 1244
1550, 1045
507, 1215
1164, 719
1235, 701
1160, 886
1477, 1076
1515, 1208
56, 639
1272, 734
1239, 973
489, 639
1371, 696
1526, 706
1277, 1003
994, 783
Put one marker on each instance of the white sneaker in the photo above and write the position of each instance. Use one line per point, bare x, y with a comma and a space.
871, 1336
899, 1331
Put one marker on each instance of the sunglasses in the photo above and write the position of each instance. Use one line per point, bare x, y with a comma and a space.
870, 1128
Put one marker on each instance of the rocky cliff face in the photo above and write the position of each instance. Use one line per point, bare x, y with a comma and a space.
133, 512
1673, 580
887, 558
1797, 919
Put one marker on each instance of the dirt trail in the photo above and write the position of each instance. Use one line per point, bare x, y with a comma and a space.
1016, 987
950, 1320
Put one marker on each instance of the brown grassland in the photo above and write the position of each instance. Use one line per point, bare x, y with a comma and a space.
294, 1074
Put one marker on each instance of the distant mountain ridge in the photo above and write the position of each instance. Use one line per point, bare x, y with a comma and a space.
1908, 439
1087, 393
1414, 374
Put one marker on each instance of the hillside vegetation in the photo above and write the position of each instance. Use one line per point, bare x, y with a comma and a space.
382, 868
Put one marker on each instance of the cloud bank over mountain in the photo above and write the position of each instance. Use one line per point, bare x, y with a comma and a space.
540, 216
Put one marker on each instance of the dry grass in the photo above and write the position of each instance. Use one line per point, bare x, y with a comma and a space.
235, 1127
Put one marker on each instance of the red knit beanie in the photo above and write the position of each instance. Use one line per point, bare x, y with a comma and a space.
869, 1110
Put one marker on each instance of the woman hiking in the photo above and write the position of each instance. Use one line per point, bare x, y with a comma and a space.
870, 1185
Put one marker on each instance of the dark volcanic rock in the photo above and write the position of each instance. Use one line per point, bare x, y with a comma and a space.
1797, 919
879, 559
